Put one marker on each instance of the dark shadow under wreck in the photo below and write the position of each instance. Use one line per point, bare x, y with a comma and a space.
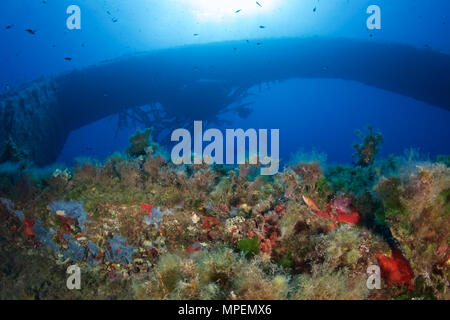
198, 82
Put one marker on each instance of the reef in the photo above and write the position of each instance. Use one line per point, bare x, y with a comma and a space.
140, 227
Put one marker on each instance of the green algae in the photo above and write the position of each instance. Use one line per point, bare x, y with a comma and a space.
249, 246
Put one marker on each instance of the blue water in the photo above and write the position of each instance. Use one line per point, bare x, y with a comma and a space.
310, 113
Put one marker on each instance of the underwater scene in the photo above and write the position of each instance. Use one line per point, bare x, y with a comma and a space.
224, 150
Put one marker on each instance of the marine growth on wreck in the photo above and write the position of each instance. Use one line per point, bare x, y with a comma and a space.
224, 150
140, 227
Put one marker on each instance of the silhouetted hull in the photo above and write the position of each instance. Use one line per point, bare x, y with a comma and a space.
196, 81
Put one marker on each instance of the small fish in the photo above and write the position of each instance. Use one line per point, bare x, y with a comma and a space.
310, 203
30, 31
8, 27
195, 34
259, 4
315, 9
113, 19
262, 27
258, 43
68, 58
237, 11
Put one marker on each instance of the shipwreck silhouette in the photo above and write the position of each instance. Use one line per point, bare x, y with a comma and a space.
199, 82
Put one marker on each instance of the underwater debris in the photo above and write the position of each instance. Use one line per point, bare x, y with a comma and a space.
47, 151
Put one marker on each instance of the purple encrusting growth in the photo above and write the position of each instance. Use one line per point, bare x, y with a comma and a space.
119, 251
73, 209
155, 216
44, 236
10, 207
75, 251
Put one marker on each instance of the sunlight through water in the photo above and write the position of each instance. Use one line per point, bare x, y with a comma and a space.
213, 10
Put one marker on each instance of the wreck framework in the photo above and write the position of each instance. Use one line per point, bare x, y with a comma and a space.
200, 81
